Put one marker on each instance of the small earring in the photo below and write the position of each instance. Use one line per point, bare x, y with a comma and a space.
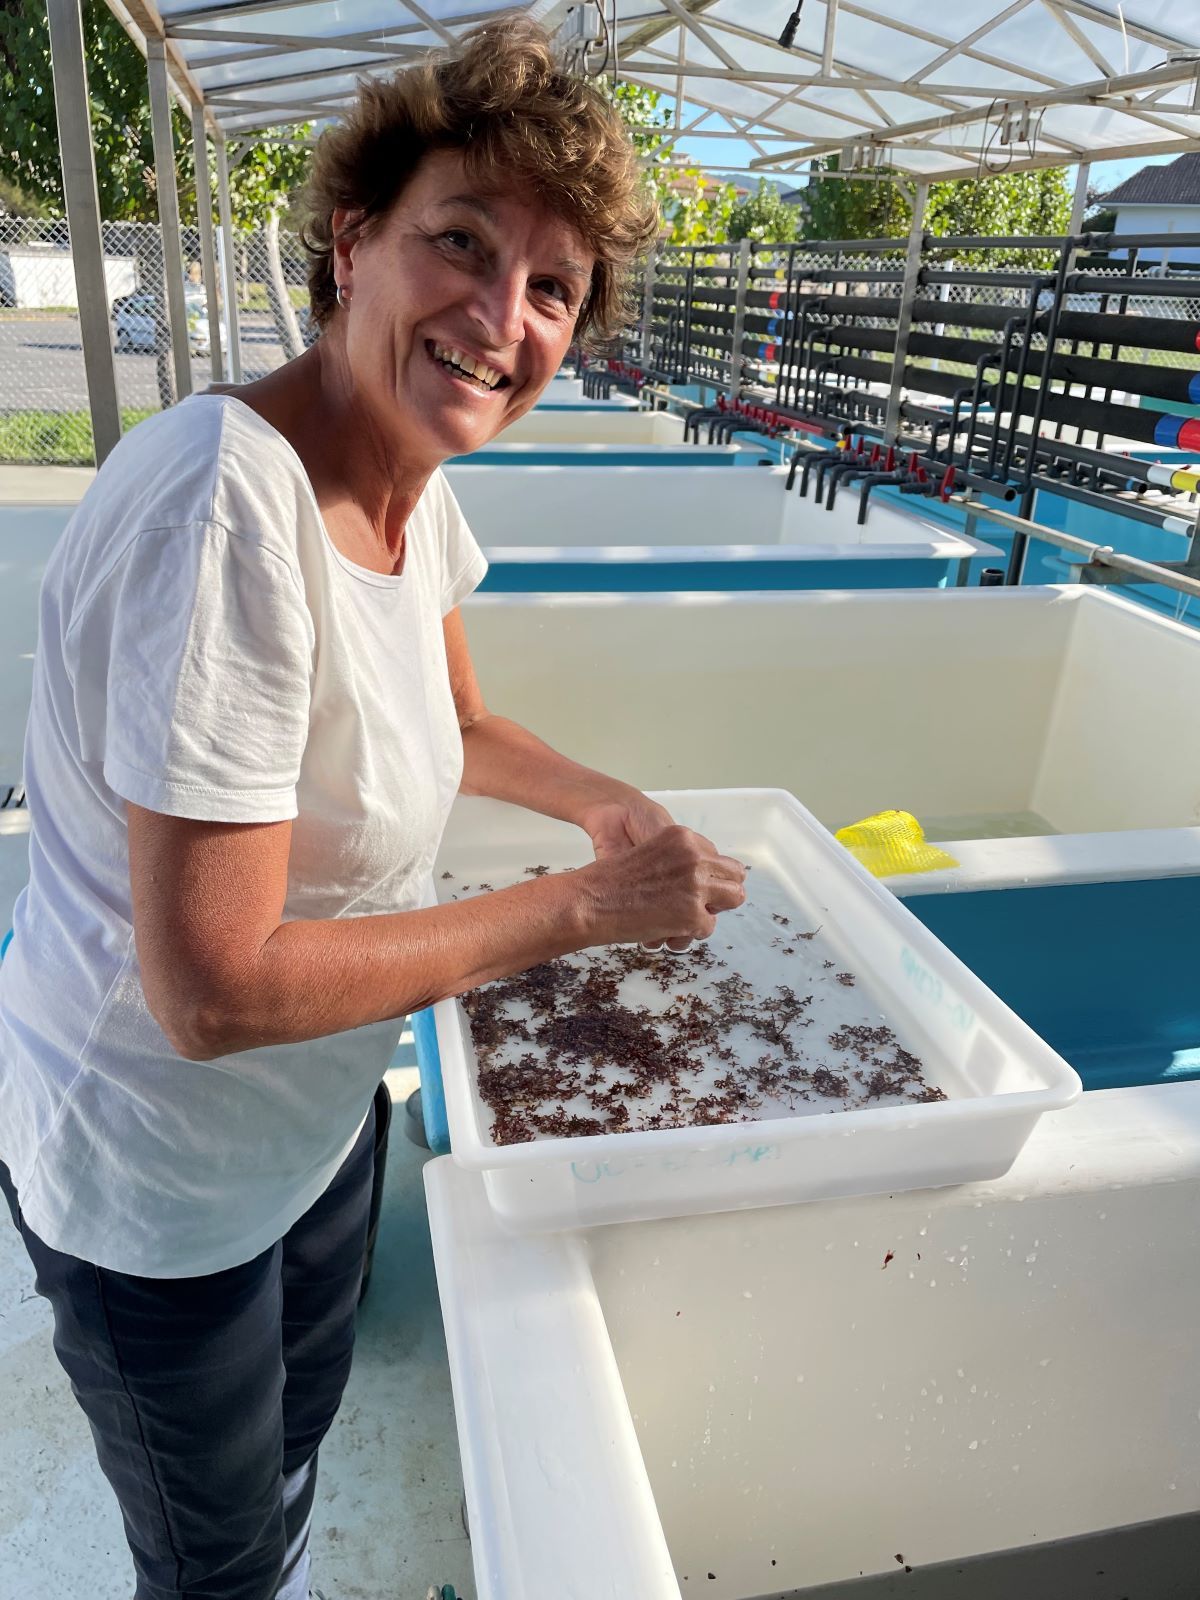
343, 299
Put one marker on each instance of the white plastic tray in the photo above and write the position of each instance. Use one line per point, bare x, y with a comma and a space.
998, 1075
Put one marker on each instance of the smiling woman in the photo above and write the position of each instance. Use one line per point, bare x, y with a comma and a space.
253, 706
521, 127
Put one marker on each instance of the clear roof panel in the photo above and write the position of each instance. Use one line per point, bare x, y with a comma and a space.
931, 83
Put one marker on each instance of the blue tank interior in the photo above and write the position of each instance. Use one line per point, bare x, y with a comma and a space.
1104, 972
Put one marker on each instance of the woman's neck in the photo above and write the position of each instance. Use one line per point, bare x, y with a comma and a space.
361, 484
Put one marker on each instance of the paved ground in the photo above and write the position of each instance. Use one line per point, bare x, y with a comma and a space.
41, 364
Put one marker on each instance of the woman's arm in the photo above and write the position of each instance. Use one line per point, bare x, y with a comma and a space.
507, 762
223, 972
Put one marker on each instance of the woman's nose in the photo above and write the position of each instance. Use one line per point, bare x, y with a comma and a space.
499, 306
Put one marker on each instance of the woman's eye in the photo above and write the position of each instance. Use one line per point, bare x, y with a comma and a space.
556, 290
459, 238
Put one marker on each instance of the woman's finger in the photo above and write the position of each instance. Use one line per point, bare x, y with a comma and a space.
724, 896
732, 867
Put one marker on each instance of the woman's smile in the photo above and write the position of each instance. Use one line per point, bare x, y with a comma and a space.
463, 368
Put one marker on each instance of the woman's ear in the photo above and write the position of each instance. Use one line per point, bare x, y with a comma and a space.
347, 229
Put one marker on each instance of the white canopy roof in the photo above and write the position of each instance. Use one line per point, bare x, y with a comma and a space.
941, 90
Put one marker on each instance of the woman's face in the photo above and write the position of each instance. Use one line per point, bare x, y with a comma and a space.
461, 308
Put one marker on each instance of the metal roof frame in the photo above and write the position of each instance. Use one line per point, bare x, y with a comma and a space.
1084, 79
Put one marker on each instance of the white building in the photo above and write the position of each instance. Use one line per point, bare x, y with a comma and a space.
35, 276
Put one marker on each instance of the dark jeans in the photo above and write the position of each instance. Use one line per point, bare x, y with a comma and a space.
208, 1397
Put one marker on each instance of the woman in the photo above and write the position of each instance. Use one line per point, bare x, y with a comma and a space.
253, 706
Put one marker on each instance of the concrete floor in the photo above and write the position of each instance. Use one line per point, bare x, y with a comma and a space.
388, 1520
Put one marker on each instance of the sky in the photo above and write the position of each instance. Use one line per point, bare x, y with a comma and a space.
730, 155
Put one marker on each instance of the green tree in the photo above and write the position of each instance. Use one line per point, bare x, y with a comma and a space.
765, 217
14, 202
260, 181
120, 112
1019, 204
694, 207
1008, 205
854, 208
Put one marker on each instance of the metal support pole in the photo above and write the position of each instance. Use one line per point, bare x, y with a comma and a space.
739, 319
1079, 199
83, 219
1170, 576
208, 253
233, 333
648, 307
908, 294
168, 212
1078, 206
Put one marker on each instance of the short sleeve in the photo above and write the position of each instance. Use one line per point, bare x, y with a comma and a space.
201, 644
464, 564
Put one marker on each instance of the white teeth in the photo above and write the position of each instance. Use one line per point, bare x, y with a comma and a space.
468, 364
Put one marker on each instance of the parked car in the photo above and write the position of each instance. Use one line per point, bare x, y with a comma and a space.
136, 315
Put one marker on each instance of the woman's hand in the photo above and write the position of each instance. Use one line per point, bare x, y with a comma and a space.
620, 822
671, 887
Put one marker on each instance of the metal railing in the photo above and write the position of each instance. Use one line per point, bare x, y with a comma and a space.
1063, 363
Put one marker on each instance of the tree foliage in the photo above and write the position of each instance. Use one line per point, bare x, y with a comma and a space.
765, 217
1020, 204
855, 208
695, 207
30, 174
120, 111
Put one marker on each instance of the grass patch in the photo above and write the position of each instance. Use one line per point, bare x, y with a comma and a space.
255, 298
53, 438
36, 313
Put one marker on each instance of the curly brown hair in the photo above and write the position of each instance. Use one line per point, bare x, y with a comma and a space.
520, 123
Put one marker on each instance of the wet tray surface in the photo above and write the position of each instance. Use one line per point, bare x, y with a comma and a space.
760, 1022
619, 1083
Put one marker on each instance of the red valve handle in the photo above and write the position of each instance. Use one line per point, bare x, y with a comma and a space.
947, 485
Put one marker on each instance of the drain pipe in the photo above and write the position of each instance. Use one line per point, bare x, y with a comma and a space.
879, 460
810, 453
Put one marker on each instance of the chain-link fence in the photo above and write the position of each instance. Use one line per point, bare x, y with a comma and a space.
698, 307
44, 416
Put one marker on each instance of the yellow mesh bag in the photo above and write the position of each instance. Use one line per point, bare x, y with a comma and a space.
892, 842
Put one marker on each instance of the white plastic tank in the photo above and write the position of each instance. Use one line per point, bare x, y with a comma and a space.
986, 713
961, 1394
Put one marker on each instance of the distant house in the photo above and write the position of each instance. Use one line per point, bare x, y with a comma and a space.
1161, 200
686, 177
34, 276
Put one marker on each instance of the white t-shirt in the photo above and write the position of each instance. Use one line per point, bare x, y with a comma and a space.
206, 651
